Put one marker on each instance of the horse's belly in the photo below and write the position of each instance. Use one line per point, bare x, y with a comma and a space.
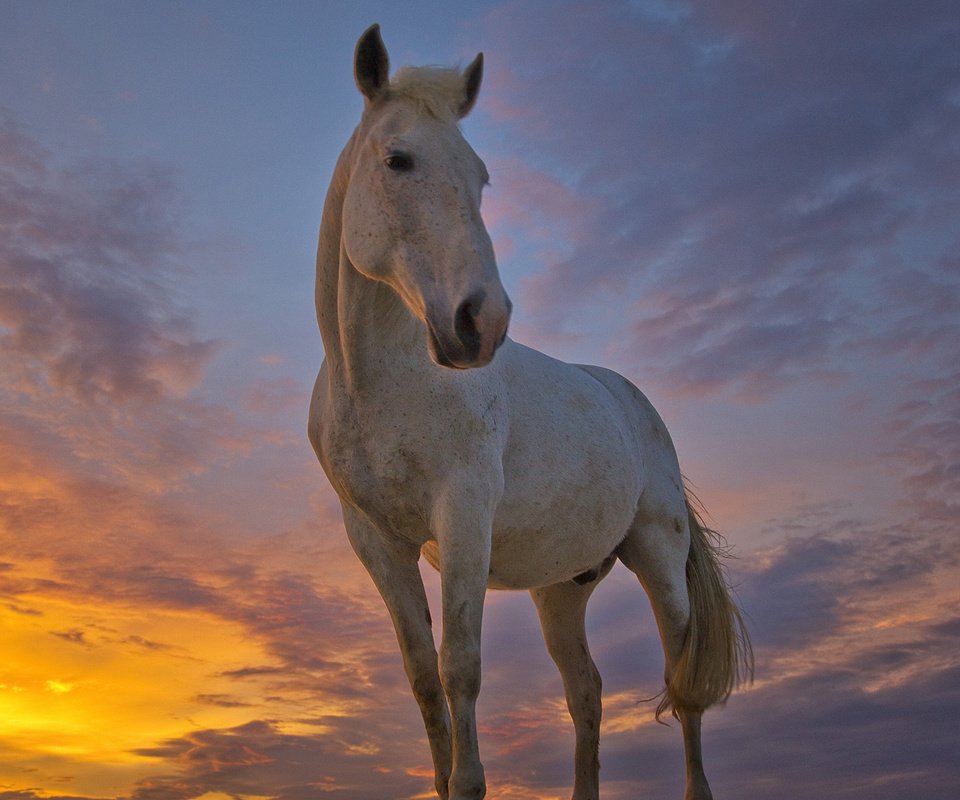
572, 470
575, 532
541, 557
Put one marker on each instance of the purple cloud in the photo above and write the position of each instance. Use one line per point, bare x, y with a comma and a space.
102, 363
257, 757
85, 257
753, 180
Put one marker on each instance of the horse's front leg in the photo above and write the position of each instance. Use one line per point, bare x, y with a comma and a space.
462, 524
392, 563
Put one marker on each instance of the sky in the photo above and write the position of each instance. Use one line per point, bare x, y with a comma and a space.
748, 208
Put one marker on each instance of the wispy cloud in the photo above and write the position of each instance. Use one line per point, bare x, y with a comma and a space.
99, 357
246, 759
755, 182
87, 257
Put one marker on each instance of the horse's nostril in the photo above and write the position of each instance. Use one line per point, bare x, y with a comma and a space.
465, 322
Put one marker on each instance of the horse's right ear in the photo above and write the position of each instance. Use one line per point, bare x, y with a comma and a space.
371, 65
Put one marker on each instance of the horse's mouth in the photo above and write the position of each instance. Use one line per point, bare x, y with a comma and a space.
438, 353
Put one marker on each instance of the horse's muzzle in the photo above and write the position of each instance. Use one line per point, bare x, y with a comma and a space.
472, 337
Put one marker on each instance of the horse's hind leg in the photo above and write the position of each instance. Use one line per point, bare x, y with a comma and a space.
656, 550
562, 609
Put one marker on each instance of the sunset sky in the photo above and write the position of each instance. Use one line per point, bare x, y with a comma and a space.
750, 209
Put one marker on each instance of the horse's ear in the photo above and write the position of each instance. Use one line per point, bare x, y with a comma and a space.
472, 76
371, 64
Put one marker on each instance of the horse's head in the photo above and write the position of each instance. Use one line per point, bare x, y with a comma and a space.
411, 213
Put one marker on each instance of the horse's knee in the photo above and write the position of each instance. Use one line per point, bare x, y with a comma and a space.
594, 681
460, 672
583, 692
426, 688
584, 695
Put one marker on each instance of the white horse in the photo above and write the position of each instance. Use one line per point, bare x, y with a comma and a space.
511, 472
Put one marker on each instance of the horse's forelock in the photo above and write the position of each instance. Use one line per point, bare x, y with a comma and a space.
439, 91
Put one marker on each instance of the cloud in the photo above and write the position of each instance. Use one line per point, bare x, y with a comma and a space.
821, 585
924, 438
223, 700
744, 184
83, 259
256, 757
843, 740
139, 641
33, 612
100, 359
76, 636
31, 794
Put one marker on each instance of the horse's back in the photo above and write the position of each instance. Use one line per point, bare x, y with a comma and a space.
644, 419
590, 406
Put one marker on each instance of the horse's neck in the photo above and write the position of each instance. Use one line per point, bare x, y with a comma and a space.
329, 252
363, 323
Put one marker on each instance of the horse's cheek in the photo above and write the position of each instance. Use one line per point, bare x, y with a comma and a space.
366, 235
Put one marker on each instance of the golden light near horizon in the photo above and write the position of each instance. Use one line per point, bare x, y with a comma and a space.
95, 685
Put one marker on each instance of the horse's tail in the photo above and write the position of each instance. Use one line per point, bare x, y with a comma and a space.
717, 655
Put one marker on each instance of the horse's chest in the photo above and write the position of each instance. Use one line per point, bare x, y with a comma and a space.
379, 469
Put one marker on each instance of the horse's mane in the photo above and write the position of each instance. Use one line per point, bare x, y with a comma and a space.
437, 90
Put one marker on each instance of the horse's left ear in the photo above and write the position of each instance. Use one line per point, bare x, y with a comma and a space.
472, 76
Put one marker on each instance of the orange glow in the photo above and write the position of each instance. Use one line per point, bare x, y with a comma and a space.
92, 684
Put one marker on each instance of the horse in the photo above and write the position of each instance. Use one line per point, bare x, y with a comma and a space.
503, 467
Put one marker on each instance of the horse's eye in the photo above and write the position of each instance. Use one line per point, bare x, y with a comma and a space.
399, 162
